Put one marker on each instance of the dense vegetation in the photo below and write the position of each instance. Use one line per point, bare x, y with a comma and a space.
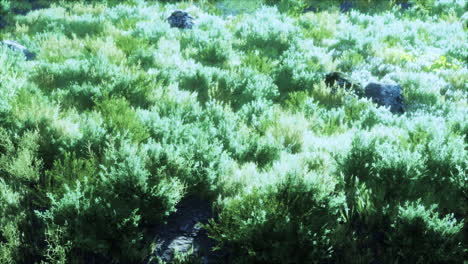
121, 116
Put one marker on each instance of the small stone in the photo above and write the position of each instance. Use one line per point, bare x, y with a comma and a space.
386, 95
19, 48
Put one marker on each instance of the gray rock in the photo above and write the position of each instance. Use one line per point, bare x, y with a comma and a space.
181, 19
183, 232
386, 95
19, 48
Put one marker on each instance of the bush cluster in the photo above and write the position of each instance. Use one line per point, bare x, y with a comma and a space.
120, 117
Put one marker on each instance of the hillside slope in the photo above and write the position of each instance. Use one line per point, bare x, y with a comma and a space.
265, 117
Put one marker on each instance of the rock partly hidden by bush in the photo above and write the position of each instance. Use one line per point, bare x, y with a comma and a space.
340, 80
184, 232
181, 19
310, 9
405, 6
19, 48
346, 6
386, 95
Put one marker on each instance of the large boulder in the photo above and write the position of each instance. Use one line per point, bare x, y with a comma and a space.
386, 95
181, 19
19, 48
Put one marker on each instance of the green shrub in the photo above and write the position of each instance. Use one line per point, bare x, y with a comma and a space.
299, 70
421, 90
21, 192
288, 221
224, 125
57, 19
9, 8
258, 114
121, 119
142, 56
195, 148
364, 114
51, 76
441, 6
291, 6
331, 121
69, 171
82, 97
319, 27
137, 45
151, 31
94, 135
209, 42
95, 215
388, 170
202, 80
124, 16
57, 132
458, 122
417, 230
97, 78
261, 150
11, 217
120, 115
289, 130
445, 164
383, 172
11, 78
344, 43
263, 64
235, 89
247, 86
57, 48
267, 31
349, 61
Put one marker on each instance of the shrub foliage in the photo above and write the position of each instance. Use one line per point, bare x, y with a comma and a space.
120, 117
